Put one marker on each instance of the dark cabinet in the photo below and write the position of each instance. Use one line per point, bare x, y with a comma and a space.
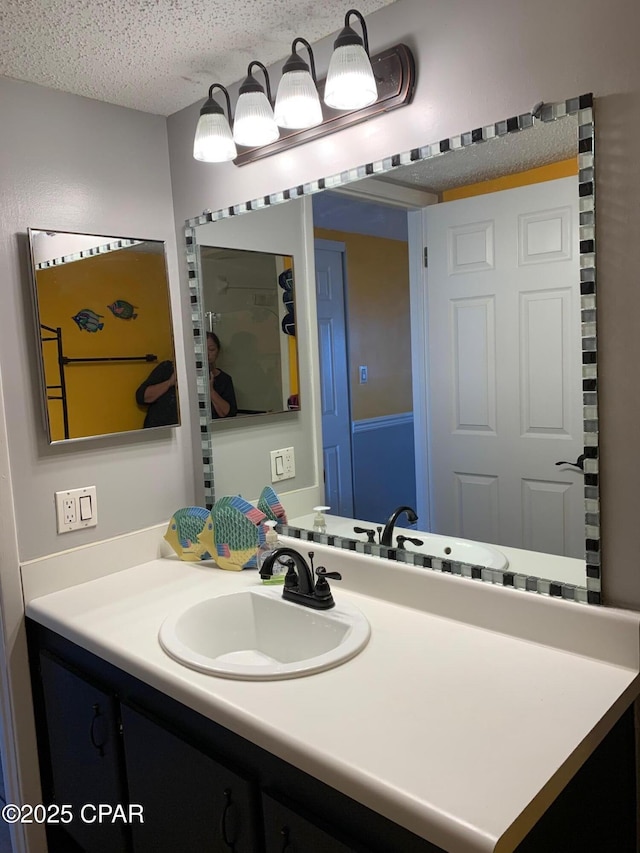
191, 802
287, 831
106, 737
84, 745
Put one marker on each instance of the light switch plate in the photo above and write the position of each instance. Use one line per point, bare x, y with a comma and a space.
283, 465
76, 509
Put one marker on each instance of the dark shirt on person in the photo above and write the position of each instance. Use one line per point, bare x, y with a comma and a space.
223, 385
164, 410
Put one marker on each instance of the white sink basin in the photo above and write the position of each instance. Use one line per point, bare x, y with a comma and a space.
462, 550
256, 635
434, 544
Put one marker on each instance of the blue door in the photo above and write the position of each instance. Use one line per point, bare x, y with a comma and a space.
334, 377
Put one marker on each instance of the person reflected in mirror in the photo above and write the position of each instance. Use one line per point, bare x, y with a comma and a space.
158, 394
221, 390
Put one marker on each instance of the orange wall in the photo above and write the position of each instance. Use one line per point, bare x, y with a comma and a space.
563, 169
101, 396
378, 326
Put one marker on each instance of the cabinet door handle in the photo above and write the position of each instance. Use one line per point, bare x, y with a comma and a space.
286, 841
229, 842
92, 731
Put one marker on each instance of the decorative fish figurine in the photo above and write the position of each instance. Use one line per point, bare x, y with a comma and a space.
233, 533
124, 310
269, 504
88, 320
182, 534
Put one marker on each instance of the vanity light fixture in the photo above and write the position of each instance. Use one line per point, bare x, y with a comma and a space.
350, 82
357, 87
213, 141
297, 100
254, 122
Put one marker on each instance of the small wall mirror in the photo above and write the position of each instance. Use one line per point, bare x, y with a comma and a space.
104, 331
248, 303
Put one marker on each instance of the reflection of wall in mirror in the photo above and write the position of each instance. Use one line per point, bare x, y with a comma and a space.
379, 329
550, 172
241, 290
101, 396
378, 325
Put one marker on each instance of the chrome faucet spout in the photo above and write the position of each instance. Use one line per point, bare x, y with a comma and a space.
387, 533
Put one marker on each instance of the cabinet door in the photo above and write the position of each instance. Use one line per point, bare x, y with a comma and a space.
82, 726
286, 831
191, 803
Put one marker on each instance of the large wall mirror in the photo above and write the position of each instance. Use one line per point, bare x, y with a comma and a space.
468, 271
105, 334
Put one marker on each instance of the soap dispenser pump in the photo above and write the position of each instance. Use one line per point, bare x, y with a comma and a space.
270, 544
320, 522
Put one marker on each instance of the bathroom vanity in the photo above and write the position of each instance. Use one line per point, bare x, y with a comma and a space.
475, 719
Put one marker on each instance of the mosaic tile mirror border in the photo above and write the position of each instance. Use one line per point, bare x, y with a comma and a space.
582, 107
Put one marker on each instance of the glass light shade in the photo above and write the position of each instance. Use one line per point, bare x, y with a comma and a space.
350, 82
297, 101
254, 123
213, 141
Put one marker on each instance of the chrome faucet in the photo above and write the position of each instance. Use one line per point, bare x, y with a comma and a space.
387, 533
299, 585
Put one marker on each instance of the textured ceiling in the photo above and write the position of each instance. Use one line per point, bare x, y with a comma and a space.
157, 56
544, 143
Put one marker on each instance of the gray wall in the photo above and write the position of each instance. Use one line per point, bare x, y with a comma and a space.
241, 451
477, 63
70, 163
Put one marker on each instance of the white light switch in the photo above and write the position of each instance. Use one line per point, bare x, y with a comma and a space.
283, 466
76, 509
85, 507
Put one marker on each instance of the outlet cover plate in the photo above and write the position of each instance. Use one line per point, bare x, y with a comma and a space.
283, 464
76, 509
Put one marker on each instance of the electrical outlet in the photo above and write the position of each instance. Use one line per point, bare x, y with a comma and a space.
69, 510
283, 465
76, 509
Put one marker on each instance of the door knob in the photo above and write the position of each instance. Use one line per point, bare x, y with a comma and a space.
579, 463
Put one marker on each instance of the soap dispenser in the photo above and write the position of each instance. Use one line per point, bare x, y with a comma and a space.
270, 544
320, 522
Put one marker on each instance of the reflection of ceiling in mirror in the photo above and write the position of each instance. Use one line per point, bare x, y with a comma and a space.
539, 145
53, 248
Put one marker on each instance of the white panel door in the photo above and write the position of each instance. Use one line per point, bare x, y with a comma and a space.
505, 367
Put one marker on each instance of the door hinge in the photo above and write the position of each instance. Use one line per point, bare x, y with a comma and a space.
426, 256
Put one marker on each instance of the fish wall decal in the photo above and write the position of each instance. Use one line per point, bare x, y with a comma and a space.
123, 309
88, 320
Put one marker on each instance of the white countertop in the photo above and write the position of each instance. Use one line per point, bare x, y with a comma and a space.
466, 703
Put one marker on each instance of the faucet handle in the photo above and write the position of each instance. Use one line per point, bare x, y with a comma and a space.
371, 534
323, 573
402, 539
291, 578
322, 591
